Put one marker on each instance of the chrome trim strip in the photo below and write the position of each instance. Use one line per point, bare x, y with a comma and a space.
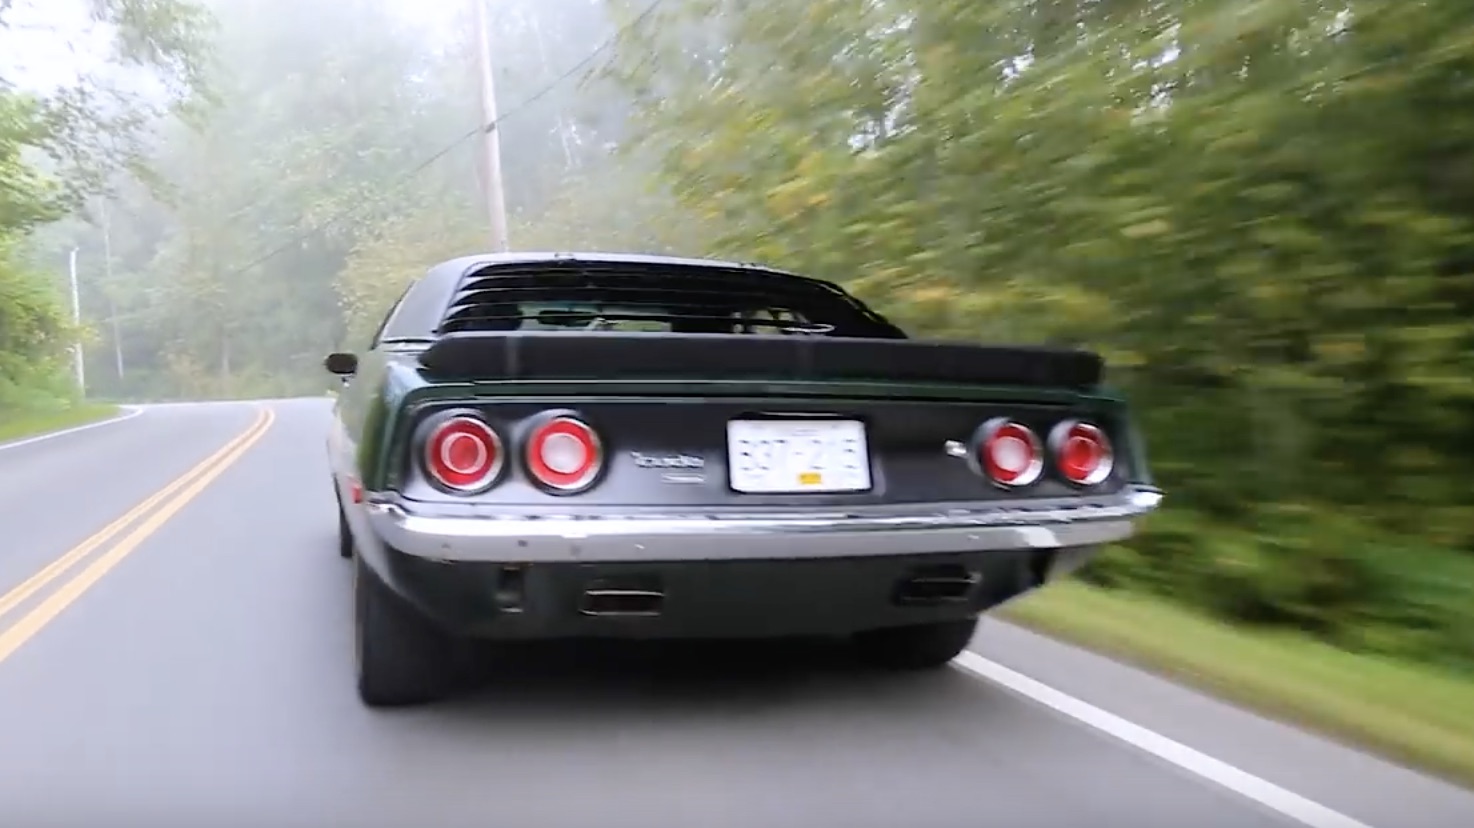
528, 538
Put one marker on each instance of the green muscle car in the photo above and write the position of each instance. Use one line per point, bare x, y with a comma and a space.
585, 445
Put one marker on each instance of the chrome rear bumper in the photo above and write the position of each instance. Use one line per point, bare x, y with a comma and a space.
495, 537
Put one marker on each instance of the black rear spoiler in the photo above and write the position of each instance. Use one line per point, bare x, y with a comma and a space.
556, 355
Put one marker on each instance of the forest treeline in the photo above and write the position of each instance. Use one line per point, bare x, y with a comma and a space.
1260, 211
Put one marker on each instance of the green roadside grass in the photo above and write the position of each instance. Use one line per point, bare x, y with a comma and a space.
1417, 715
30, 424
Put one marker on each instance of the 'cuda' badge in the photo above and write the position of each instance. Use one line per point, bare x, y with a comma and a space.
667, 461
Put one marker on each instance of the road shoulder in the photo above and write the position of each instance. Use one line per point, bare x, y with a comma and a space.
1416, 715
22, 428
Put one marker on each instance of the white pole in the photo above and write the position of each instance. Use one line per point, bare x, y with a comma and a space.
107, 259
77, 320
496, 205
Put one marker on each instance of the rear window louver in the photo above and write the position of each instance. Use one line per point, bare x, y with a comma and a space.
650, 296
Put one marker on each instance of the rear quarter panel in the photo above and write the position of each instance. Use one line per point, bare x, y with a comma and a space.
360, 417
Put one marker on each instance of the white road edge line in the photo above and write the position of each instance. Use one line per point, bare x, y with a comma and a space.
132, 411
1265, 793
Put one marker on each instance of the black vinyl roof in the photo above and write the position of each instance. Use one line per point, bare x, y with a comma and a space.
463, 293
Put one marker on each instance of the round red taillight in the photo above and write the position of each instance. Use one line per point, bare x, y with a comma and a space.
564, 454
463, 454
1082, 452
1009, 453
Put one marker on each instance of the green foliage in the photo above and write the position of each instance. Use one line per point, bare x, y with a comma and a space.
1310, 570
279, 225
33, 340
33, 335
1270, 235
28, 197
85, 133
297, 212
384, 263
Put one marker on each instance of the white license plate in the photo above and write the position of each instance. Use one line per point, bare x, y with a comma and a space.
772, 456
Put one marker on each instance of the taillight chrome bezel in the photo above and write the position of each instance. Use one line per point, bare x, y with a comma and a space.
472, 424
552, 424
996, 428
1059, 438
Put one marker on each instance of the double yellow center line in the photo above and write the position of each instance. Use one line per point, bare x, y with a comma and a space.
148, 517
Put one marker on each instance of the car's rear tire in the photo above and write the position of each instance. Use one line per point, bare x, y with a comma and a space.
345, 535
400, 656
916, 647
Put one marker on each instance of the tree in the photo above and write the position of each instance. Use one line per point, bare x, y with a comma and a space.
83, 133
1245, 207
341, 164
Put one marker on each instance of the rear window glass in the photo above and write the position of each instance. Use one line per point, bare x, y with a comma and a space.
655, 298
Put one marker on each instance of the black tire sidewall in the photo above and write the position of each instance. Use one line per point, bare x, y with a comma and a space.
400, 657
345, 534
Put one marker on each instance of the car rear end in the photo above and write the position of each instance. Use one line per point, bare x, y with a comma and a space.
586, 480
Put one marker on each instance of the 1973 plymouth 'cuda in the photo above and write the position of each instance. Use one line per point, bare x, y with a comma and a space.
540, 445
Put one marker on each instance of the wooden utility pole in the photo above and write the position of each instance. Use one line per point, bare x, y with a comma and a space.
491, 149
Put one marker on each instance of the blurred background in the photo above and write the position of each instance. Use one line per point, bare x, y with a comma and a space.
1261, 213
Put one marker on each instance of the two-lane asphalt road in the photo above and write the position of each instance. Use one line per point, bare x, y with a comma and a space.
191, 665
